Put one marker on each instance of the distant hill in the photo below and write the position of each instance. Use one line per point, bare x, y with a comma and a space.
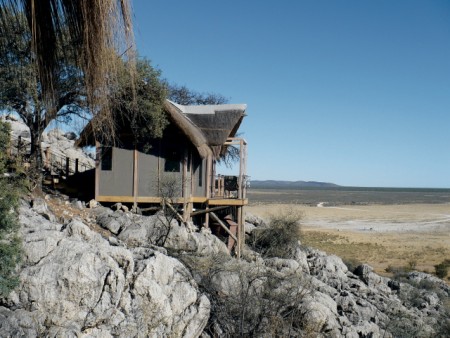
272, 184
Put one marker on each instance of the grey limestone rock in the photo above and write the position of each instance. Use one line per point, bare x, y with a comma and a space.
75, 283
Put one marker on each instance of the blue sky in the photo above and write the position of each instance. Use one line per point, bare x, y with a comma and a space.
351, 92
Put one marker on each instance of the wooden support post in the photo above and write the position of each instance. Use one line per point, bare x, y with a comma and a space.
135, 178
208, 185
233, 229
67, 167
216, 218
240, 230
97, 167
241, 169
187, 212
47, 162
184, 187
207, 216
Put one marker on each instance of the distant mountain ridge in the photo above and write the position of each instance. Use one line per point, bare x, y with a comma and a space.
274, 184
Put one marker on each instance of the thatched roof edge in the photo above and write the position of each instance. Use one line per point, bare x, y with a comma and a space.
188, 128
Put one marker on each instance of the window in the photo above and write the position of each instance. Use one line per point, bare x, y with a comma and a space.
106, 158
172, 162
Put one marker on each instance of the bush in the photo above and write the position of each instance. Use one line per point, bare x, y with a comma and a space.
247, 299
441, 269
279, 238
10, 245
352, 263
4, 144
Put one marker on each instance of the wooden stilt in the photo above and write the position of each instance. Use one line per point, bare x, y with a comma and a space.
218, 220
233, 229
135, 178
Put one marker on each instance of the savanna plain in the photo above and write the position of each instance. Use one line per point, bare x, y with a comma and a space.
388, 229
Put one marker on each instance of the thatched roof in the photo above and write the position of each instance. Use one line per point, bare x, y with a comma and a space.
206, 126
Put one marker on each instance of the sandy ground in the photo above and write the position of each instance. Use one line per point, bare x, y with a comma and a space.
380, 235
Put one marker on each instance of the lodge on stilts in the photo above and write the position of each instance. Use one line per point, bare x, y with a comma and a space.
179, 169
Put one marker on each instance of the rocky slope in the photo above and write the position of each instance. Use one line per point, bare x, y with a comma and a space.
78, 280
75, 282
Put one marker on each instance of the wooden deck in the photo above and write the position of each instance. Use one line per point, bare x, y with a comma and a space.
158, 200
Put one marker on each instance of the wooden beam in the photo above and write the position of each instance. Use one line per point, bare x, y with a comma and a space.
228, 201
216, 218
223, 202
197, 199
180, 218
150, 209
200, 212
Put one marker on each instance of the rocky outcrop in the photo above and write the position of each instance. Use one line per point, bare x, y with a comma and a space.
74, 282
137, 230
55, 141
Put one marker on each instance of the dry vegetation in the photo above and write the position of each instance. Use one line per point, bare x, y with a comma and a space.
409, 235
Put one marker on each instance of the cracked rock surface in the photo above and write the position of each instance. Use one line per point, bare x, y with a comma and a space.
74, 282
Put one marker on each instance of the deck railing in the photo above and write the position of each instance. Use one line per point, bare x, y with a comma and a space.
57, 163
227, 186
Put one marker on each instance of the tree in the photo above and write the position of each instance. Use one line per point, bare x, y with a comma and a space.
97, 30
138, 101
21, 89
185, 96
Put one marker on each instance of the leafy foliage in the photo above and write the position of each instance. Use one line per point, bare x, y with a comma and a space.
185, 96
21, 89
139, 104
96, 30
4, 142
10, 244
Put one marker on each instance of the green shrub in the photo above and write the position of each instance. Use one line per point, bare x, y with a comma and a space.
441, 269
279, 238
4, 144
10, 244
10, 253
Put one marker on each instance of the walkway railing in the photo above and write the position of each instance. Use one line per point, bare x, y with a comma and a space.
227, 186
57, 163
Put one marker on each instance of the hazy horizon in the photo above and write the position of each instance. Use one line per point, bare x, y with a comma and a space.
349, 186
